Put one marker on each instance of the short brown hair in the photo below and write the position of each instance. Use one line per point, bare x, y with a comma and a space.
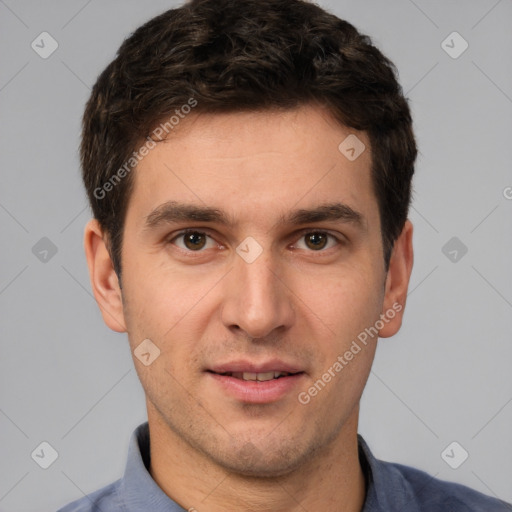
236, 55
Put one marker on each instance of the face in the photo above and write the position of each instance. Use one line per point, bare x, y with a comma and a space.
252, 250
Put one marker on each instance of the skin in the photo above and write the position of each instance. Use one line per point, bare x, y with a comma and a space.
295, 302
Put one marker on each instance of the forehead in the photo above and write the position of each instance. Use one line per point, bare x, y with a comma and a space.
257, 163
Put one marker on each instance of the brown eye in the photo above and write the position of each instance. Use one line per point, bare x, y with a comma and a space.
191, 241
316, 241
194, 240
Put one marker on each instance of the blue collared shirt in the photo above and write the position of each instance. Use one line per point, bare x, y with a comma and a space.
390, 488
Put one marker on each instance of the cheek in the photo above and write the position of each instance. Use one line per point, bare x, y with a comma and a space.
347, 301
162, 299
168, 312
350, 305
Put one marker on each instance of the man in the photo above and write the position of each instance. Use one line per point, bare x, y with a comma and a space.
249, 167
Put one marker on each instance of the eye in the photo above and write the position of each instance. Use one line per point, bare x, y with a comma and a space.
317, 241
193, 241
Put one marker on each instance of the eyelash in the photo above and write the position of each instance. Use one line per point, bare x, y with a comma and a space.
302, 234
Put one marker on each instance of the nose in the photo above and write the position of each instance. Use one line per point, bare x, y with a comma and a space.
257, 300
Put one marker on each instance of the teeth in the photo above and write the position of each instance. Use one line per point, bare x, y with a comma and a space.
261, 377
265, 376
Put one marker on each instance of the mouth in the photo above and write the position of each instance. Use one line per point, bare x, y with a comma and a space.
256, 384
257, 377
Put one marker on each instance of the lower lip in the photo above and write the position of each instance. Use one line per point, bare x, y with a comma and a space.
255, 392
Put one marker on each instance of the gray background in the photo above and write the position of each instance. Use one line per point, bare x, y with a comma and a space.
66, 379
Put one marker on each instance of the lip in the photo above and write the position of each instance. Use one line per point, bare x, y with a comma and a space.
255, 392
244, 366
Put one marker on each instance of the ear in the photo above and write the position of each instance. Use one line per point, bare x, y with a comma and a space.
104, 281
397, 282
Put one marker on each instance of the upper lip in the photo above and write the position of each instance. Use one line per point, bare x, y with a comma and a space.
244, 366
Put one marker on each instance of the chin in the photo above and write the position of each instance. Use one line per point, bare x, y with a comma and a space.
250, 461
258, 469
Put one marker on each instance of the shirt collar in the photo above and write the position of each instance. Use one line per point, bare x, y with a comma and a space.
386, 487
138, 491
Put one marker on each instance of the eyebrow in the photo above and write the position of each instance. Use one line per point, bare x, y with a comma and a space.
325, 212
174, 211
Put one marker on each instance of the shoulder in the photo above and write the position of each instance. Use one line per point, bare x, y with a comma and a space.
435, 495
104, 499
393, 486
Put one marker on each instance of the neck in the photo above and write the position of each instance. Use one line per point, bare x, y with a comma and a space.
331, 480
